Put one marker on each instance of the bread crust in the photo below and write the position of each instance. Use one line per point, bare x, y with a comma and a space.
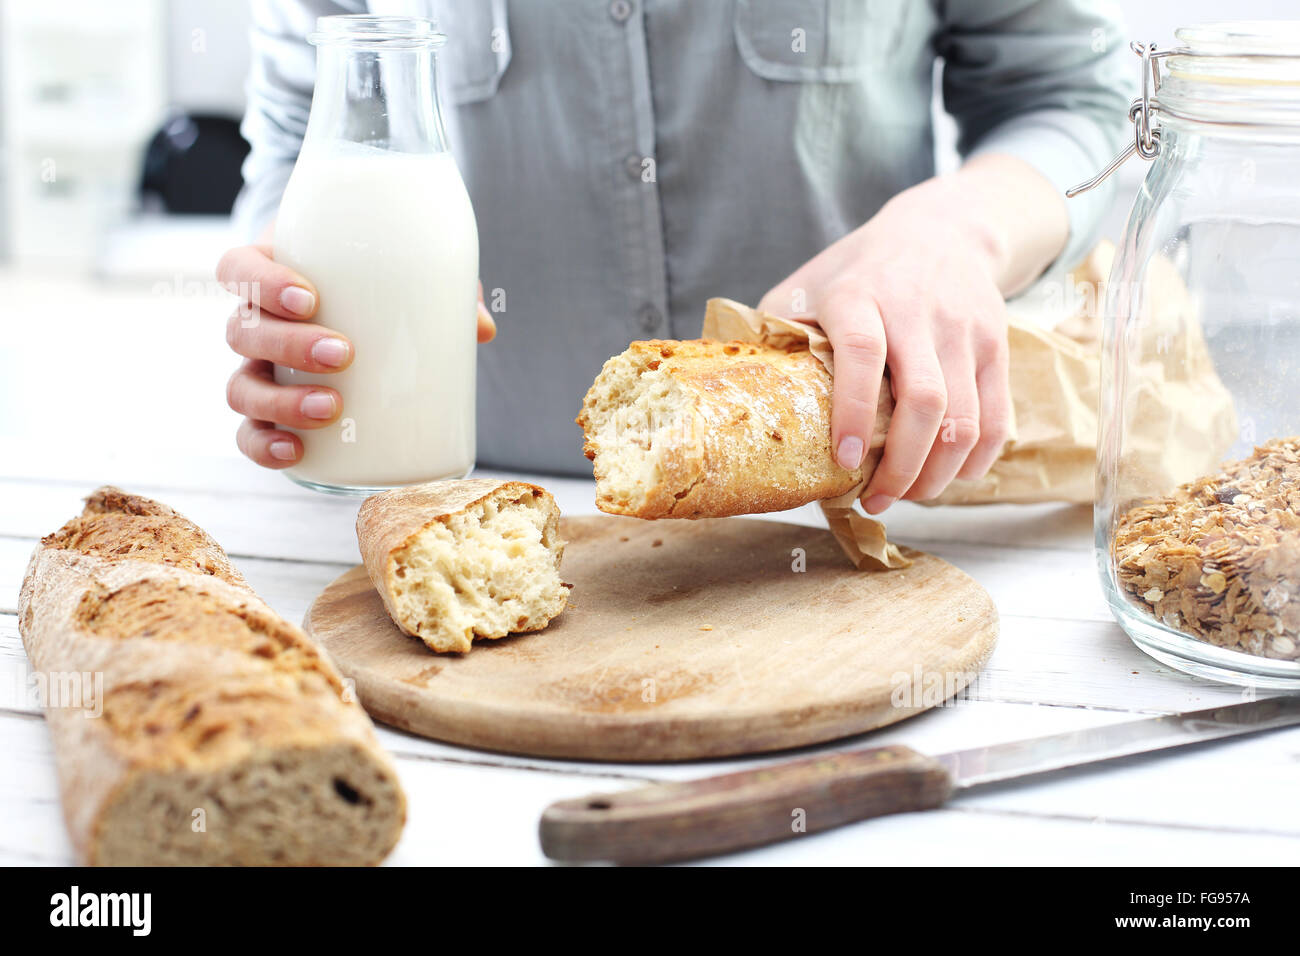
756, 437
190, 687
387, 523
115, 524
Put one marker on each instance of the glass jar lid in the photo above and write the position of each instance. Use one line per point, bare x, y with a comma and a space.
1234, 72
1237, 37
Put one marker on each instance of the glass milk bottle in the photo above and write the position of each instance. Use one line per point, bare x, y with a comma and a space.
377, 217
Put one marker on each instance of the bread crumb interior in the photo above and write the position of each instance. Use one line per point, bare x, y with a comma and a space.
490, 571
637, 413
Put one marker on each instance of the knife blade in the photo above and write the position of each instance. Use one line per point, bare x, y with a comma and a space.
666, 822
1024, 758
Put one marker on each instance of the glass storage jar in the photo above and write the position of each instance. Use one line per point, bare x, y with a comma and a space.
1198, 498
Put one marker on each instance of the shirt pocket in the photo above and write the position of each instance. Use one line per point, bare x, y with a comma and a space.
478, 49
820, 41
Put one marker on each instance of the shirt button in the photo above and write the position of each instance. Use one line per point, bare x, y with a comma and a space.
620, 10
649, 319
634, 165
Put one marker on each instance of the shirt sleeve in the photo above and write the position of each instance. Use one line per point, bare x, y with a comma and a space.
1047, 81
279, 99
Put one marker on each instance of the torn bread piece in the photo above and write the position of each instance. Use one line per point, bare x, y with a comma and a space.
704, 429
460, 560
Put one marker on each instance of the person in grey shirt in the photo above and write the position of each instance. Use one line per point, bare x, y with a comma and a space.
629, 159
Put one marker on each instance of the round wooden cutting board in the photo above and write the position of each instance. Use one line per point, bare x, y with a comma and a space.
682, 640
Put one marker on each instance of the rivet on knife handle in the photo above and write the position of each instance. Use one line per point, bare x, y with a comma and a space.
679, 821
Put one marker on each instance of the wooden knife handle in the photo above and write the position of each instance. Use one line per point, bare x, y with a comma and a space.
679, 821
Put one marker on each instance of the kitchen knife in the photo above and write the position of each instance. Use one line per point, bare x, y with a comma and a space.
664, 822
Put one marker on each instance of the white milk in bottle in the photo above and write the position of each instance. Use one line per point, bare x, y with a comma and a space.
377, 216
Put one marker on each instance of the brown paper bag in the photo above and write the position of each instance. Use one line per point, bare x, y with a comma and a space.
1184, 416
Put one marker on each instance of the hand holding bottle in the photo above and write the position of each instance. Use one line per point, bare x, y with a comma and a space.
273, 327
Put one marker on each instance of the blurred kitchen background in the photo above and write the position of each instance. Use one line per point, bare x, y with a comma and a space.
120, 148
120, 132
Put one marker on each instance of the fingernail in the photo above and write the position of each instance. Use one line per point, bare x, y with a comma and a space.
282, 449
878, 503
849, 454
297, 300
318, 405
331, 352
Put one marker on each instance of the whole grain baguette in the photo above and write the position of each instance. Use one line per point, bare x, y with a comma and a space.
456, 561
191, 724
694, 429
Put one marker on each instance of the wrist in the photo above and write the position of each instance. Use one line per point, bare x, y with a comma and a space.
998, 210
1020, 204
956, 211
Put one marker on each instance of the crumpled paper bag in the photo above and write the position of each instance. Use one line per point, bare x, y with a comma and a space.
1180, 422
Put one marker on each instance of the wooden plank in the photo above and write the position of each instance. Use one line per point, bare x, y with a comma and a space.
1242, 785
960, 725
963, 837
301, 525
306, 526
14, 554
1089, 664
973, 724
17, 690
1084, 664
967, 723
1063, 663
31, 817
288, 586
1201, 789
474, 814
220, 468
1079, 664
1047, 584
1050, 584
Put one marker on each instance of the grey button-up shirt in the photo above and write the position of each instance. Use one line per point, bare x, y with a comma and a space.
628, 159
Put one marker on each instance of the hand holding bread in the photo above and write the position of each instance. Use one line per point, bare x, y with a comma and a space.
919, 290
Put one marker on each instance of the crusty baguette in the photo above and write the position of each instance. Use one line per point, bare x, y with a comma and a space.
460, 560
699, 429
191, 724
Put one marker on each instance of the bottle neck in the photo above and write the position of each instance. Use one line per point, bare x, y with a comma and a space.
383, 98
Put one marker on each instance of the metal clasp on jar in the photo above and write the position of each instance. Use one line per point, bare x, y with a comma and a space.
1141, 113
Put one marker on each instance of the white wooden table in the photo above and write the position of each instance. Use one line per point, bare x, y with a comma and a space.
123, 384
